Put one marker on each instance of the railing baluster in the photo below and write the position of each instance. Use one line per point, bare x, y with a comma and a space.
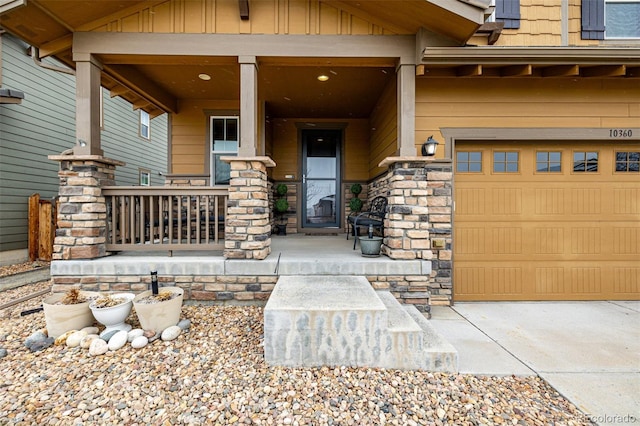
165, 218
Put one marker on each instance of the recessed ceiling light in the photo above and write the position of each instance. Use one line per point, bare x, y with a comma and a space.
323, 77
205, 77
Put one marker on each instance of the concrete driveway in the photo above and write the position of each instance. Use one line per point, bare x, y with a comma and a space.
588, 351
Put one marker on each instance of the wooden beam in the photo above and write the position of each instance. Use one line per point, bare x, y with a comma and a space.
141, 103
604, 71
516, 71
118, 91
141, 84
56, 46
492, 29
561, 71
469, 71
243, 5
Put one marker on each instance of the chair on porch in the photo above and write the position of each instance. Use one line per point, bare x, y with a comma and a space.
373, 217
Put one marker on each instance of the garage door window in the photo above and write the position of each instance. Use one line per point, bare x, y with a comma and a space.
585, 161
548, 162
627, 161
505, 162
469, 161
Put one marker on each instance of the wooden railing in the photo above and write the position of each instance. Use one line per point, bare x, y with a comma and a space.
165, 218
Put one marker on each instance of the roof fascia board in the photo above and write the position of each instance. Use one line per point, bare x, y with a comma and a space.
533, 55
353, 46
471, 12
7, 5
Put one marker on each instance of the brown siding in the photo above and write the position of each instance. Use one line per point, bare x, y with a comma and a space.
222, 17
189, 135
502, 102
385, 136
287, 152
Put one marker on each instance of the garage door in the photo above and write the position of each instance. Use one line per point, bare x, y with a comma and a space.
547, 221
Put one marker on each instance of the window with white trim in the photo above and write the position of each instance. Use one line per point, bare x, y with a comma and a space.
145, 177
622, 19
224, 143
145, 125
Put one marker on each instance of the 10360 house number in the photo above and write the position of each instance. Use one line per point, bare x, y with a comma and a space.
620, 133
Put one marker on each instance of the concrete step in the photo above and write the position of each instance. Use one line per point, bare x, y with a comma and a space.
340, 320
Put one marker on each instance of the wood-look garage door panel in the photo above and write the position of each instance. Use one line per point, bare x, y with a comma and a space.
547, 236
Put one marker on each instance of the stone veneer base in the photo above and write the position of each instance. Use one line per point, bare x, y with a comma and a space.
214, 279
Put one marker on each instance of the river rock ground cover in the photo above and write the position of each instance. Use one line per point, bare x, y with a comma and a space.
215, 374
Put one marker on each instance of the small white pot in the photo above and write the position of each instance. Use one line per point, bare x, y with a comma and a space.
113, 318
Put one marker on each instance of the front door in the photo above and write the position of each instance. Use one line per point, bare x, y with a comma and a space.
321, 178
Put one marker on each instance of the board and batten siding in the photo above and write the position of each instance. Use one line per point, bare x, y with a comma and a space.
44, 124
501, 102
222, 17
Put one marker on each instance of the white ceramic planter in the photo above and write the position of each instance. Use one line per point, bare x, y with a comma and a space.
113, 318
160, 315
63, 318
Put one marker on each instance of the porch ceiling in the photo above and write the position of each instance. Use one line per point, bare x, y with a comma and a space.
288, 88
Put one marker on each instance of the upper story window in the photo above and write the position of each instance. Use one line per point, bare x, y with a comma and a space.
548, 161
145, 127
627, 161
622, 18
613, 19
505, 162
224, 142
469, 161
585, 161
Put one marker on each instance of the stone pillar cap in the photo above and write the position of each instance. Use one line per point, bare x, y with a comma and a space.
96, 158
263, 159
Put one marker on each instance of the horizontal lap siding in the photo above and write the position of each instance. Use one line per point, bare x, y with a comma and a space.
525, 102
44, 124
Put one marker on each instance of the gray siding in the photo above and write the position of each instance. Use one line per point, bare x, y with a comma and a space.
44, 124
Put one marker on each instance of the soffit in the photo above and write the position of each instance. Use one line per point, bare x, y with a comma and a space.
491, 61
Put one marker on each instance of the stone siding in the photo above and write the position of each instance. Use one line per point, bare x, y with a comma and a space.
82, 214
232, 289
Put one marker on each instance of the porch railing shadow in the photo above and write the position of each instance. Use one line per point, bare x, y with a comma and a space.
165, 218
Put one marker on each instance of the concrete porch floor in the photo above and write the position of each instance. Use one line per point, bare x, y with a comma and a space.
294, 254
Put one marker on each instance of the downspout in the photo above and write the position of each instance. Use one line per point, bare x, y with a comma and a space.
34, 52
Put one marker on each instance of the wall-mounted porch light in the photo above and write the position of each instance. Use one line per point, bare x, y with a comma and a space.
429, 147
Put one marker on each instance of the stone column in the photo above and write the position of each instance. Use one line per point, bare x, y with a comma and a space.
418, 224
82, 214
247, 228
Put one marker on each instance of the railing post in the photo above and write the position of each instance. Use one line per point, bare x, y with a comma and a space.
247, 229
82, 216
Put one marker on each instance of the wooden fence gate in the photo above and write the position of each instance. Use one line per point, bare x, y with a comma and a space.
42, 228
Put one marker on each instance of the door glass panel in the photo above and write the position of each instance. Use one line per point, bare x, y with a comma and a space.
321, 178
